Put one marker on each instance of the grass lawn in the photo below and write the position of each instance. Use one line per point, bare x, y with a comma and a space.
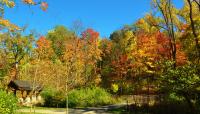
27, 113
44, 108
26, 110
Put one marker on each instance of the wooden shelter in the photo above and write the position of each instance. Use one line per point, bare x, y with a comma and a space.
24, 86
25, 90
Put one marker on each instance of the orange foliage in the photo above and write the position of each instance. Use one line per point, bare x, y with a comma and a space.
120, 66
29, 1
156, 47
44, 47
43, 43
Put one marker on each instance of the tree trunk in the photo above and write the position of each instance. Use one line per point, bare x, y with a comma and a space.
194, 31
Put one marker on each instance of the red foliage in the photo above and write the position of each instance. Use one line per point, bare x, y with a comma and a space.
121, 65
91, 35
163, 45
165, 49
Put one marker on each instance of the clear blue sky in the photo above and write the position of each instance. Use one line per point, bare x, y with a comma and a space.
105, 16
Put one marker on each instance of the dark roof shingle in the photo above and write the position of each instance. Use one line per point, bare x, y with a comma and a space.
24, 85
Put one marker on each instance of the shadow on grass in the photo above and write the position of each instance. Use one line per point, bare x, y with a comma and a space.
164, 108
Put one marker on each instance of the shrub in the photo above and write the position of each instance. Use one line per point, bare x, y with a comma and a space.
53, 98
8, 103
85, 97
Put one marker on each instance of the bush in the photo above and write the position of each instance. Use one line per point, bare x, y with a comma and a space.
8, 103
53, 98
85, 97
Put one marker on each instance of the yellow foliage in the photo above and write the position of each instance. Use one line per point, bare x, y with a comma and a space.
115, 88
8, 3
11, 4
129, 34
7, 24
141, 52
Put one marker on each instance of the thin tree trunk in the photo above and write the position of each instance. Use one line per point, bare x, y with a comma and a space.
194, 30
172, 34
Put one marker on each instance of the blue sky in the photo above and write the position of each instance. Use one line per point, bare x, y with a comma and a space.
104, 16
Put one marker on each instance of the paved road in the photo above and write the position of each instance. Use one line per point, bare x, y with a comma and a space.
91, 110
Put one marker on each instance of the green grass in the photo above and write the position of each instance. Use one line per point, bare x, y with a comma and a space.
44, 108
27, 113
37, 108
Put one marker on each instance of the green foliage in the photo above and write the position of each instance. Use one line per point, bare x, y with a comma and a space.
8, 103
181, 79
2, 73
14, 48
53, 98
85, 97
59, 36
182, 83
18, 46
174, 98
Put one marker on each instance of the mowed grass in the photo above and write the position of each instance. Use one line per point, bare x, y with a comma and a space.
42, 108
27, 113
36, 108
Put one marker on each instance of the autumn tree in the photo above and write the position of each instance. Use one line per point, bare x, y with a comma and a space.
59, 37
17, 45
16, 48
190, 29
74, 61
193, 26
92, 54
44, 48
169, 22
42, 68
116, 59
